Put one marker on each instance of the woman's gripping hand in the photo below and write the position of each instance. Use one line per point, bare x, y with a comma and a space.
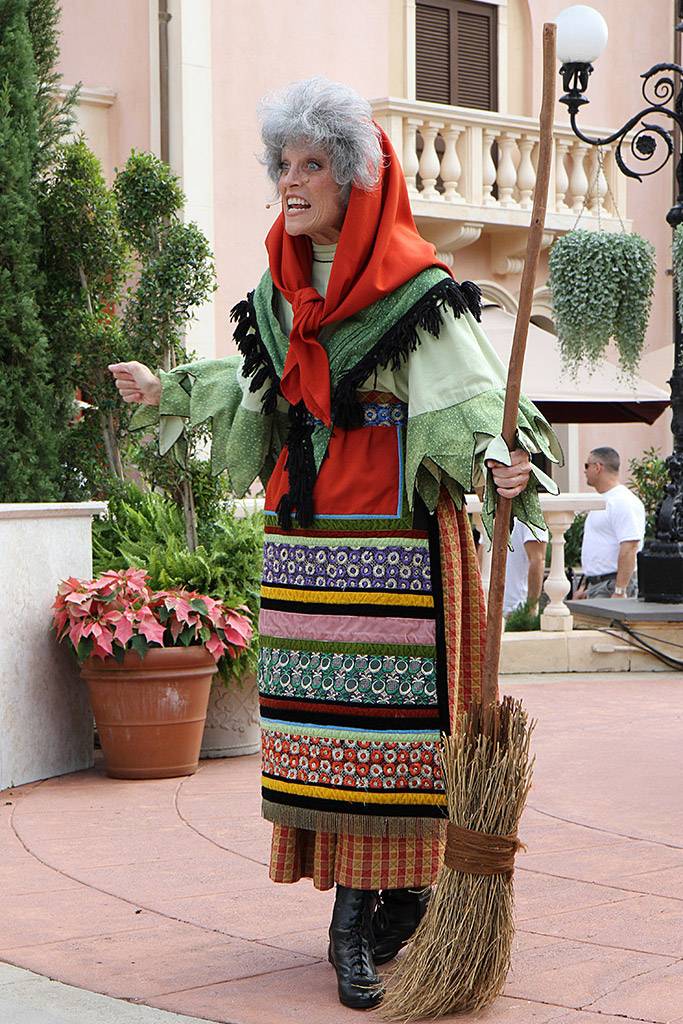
136, 383
511, 480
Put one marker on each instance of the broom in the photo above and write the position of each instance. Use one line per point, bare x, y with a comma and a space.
460, 956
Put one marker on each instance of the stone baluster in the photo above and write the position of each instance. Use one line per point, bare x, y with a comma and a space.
429, 161
598, 184
451, 167
578, 182
411, 164
561, 177
506, 178
557, 616
488, 168
526, 173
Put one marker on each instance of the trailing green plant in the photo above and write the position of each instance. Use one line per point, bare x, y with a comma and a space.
522, 619
601, 285
649, 477
28, 451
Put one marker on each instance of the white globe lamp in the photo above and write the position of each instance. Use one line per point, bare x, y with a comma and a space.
581, 34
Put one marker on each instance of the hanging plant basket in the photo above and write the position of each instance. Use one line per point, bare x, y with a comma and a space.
601, 285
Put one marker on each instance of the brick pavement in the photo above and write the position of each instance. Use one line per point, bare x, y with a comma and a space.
157, 892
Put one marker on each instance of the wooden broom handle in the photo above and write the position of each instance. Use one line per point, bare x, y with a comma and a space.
501, 528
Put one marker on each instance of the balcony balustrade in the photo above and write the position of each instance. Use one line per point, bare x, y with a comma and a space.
470, 171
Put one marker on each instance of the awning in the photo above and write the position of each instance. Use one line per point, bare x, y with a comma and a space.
600, 397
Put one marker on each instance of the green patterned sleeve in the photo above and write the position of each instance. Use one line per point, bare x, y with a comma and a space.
456, 386
214, 393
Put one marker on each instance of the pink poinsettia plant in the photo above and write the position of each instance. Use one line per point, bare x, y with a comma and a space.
118, 612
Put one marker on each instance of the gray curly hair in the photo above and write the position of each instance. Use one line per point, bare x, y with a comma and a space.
328, 115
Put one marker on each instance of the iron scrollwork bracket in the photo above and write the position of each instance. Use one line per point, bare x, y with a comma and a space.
650, 138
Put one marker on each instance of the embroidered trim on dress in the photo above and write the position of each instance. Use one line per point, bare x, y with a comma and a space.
356, 824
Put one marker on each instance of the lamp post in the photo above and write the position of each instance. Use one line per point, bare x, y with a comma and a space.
581, 38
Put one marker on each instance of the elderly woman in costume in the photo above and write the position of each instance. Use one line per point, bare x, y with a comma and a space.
366, 398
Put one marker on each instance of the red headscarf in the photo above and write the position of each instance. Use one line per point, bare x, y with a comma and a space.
379, 249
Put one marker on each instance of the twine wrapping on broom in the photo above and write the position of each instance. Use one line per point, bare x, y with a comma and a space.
460, 955
479, 853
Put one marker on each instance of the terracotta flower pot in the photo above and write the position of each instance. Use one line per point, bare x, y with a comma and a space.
150, 712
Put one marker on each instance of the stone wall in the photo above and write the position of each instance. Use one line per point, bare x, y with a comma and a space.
46, 721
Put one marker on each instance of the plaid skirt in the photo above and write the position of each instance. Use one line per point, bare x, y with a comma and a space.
372, 627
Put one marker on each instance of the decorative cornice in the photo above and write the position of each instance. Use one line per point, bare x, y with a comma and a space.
91, 96
498, 295
508, 250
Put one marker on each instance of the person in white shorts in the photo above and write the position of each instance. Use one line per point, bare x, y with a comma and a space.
525, 566
612, 536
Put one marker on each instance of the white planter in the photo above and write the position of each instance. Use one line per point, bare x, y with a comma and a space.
47, 726
232, 721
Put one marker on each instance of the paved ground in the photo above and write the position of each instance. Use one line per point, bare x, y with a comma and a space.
157, 893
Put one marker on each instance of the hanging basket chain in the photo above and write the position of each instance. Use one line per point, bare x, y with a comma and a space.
590, 191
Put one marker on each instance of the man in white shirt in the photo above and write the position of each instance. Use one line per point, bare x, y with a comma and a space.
612, 536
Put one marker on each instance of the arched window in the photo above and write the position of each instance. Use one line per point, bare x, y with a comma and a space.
456, 53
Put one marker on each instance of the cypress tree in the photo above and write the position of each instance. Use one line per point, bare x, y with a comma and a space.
28, 458
55, 115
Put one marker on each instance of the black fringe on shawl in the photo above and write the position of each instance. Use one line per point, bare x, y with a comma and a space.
392, 348
401, 339
258, 366
300, 466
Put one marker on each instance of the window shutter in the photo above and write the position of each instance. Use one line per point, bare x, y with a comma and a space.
475, 77
433, 54
456, 53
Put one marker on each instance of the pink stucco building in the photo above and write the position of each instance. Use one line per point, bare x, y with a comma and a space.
466, 137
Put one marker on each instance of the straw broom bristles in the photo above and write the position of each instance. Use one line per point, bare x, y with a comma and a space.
460, 955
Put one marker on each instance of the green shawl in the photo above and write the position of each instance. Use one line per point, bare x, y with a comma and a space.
382, 335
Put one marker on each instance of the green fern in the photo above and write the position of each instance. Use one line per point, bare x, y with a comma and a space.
146, 531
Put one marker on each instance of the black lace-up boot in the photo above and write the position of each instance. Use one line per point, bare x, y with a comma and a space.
350, 952
397, 915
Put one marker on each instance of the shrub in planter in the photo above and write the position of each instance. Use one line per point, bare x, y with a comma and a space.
601, 285
148, 659
573, 541
649, 478
522, 619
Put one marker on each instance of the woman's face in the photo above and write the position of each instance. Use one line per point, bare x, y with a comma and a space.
311, 199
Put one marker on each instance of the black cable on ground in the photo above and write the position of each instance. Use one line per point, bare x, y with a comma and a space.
638, 641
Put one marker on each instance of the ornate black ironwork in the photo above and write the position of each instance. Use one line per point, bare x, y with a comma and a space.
660, 564
650, 138
575, 82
